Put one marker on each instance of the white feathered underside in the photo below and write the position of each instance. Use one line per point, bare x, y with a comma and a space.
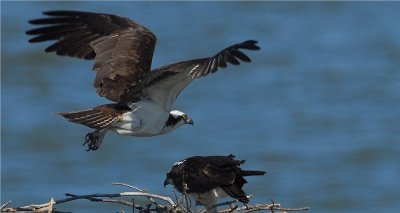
146, 119
208, 200
165, 92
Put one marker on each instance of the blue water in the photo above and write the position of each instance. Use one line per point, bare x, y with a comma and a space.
318, 108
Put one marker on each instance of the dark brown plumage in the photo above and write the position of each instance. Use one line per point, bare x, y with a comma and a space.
123, 52
122, 49
202, 174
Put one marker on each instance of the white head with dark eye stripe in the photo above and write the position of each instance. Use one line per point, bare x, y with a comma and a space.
178, 118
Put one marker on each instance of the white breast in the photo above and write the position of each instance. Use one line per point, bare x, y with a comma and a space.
146, 119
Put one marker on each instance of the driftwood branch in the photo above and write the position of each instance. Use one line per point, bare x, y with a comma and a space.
5, 205
152, 200
181, 205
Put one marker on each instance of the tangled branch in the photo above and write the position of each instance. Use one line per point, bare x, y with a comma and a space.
181, 205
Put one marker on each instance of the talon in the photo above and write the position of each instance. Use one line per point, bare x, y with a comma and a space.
92, 141
87, 139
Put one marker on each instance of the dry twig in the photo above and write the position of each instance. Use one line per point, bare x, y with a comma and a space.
180, 206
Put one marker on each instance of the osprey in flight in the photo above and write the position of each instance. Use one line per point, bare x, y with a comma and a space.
207, 178
123, 51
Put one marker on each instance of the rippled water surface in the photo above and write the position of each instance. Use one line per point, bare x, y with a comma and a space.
318, 108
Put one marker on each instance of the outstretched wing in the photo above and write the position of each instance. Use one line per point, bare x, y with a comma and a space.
122, 49
165, 84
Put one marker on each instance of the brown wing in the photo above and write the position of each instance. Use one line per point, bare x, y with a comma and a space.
235, 190
122, 49
99, 117
220, 175
165, 84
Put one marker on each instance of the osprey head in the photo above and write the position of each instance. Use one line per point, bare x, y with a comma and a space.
175, 173
179, 116
167, 180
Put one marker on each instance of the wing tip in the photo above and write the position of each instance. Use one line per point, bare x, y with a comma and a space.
58, 12
250, 44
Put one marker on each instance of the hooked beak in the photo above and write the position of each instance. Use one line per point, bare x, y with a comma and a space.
166, 182
189, 121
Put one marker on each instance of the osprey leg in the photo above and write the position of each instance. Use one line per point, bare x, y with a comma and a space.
94, 139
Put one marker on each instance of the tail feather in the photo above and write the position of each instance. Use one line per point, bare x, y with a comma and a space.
236, 192
97, 118
252, 172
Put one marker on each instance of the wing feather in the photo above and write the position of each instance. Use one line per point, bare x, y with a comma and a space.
122, 49
99, 117
164, 90
235, 191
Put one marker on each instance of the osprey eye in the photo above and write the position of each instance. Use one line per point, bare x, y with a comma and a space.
184, 116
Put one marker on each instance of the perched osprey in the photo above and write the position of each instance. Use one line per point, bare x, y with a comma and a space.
123, 51
207, 178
